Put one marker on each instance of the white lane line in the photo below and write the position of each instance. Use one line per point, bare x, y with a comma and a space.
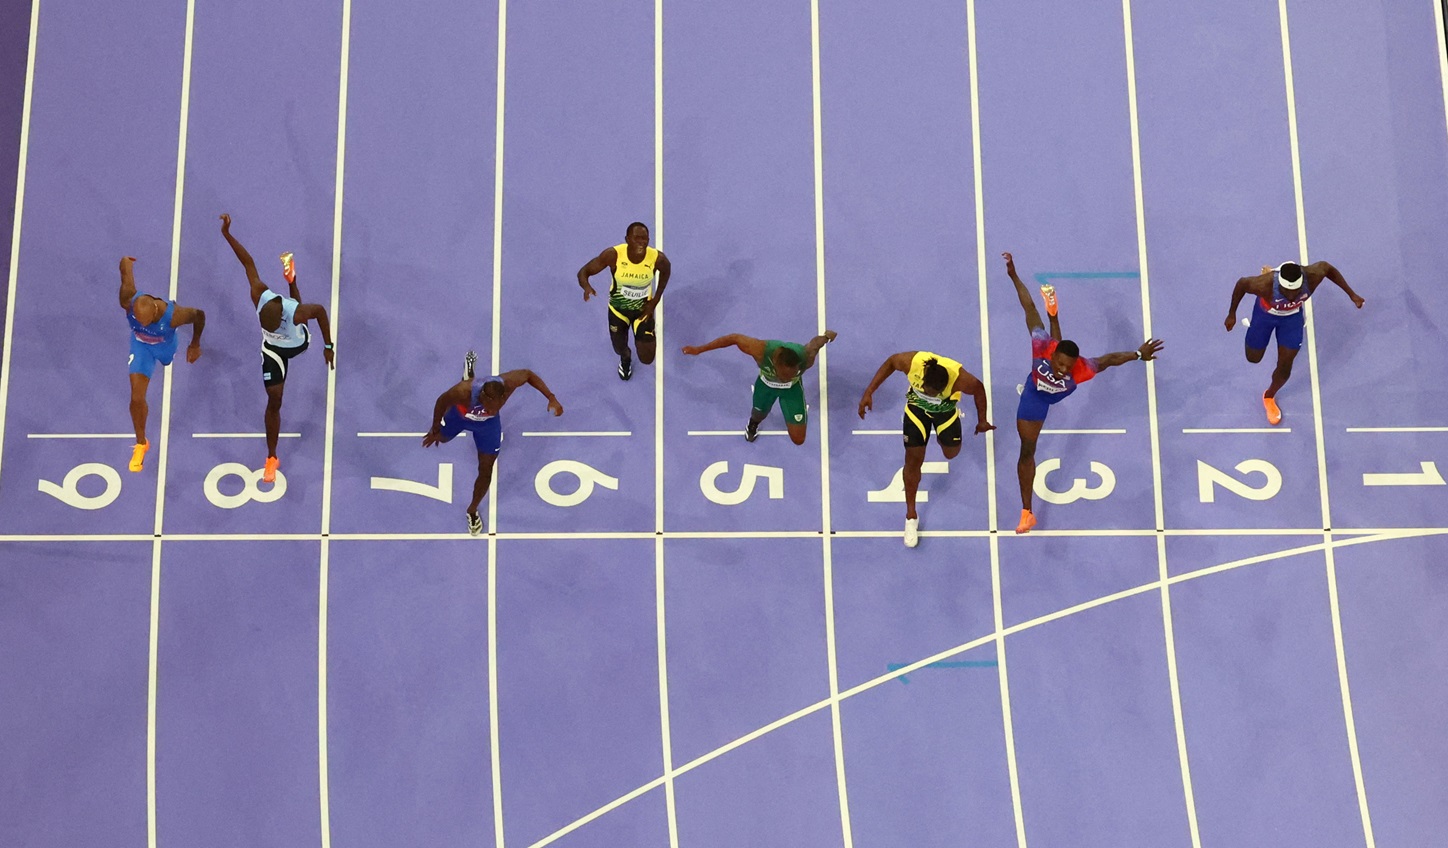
1210, 430
1084, 432
245, 435
335, 314
382, 435
1350, 725
165, 428
741, 534
824, 428
80, 435
583, 432
1168, 629
993, 515
665, 727
1442, 51
7, 357
495, 760
942, 656
1397, 429
736, 432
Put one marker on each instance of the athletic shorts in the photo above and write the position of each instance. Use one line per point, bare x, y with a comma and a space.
620, 320
145, 356
918, 424
487, 435
791, 402
274, 360
1034, 404
1287, 327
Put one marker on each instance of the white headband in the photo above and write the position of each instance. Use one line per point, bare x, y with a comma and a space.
1292, 285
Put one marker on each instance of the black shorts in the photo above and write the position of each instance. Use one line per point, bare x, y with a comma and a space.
620, 320
274, 360
919, 423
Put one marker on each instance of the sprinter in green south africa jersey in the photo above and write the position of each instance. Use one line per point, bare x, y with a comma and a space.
781, 365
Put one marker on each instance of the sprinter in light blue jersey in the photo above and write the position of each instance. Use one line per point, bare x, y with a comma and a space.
283, 336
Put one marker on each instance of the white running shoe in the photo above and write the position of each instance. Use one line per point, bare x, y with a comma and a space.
912, 532
475, 524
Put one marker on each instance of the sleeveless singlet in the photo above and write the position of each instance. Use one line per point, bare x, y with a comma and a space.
632, 281
917, 397
288, 333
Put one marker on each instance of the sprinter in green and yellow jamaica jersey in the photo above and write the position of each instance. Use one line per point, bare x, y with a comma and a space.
780, 366
632, 298
936, 384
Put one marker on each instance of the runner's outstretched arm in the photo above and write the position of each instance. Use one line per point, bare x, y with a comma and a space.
898, 362
252, 277
812, 349
1028, 303
1146, 353
1327, 270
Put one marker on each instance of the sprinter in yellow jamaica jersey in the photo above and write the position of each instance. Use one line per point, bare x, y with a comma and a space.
632, 298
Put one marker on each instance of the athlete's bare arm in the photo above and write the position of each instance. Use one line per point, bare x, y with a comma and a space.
316, 312
1148, 351
183, 315
1258, 286
1327, 270
459, 393
968, 384
128, 282
898, 362
252, 277
812, 349
1028, 303
665, 269
516, 379
605, 260
750, 345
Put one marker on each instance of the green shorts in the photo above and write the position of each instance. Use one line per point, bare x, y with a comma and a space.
791, 402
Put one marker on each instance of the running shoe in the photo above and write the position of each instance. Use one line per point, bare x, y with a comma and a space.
289, 269
751, 431
138, 456
470, 363
475, 524
912, 532
625, 367
1048, 294
1274, 414
269, 473
1028, 521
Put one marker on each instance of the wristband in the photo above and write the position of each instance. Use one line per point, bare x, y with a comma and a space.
328, 347
1138, 355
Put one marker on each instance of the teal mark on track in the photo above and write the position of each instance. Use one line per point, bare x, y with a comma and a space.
944, 664
1045, 278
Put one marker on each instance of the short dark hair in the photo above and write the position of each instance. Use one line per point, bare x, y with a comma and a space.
1069, 348
934, 376
1290, 271
630, 228
787, 356
494, 388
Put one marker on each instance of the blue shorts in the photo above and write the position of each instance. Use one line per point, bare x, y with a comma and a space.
145, 356
1035, 404
487, 435
1264, 323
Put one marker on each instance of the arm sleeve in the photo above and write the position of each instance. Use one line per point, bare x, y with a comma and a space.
1042, 345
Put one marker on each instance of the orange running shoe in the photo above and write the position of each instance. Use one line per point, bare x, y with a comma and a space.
289, 269
1027, 522
138, 456
1274, 415
269, 474
1048, 294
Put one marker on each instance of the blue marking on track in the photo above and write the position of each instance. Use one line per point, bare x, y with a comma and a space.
944, 664
1046, 277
